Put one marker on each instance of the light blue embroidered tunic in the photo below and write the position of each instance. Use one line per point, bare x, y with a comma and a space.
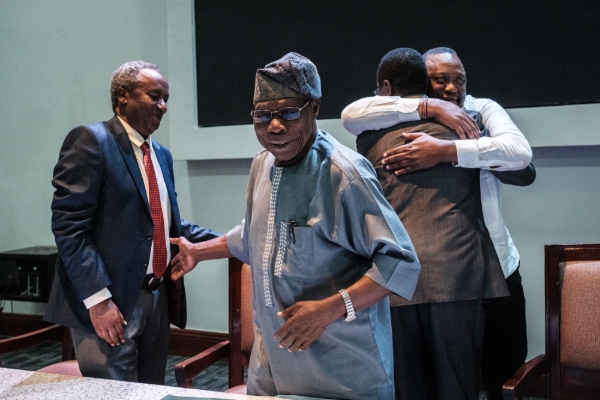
310, 230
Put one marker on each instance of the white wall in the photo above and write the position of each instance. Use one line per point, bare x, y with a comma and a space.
56, 59
562, 206
213, 194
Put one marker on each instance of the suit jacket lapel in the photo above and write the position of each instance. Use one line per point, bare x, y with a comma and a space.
124, 144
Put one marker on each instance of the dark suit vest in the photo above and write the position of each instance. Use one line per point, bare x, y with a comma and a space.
440, 208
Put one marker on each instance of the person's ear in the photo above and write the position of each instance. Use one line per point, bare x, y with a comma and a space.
122, 95
386, 88
429, 90
122, 99
316, 106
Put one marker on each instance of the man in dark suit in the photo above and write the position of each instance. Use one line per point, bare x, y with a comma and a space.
113, 212
438, 335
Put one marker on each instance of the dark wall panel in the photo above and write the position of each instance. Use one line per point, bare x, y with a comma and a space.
520, 53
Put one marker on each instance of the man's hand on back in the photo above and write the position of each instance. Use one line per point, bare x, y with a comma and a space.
422, 152
108, 322
454, 117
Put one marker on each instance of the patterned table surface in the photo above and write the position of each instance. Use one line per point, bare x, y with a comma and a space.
28, 385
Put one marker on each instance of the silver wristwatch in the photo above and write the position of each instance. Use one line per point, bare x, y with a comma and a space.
350, 314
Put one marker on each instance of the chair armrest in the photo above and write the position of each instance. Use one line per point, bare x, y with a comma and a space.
186, 370
54, 332
525, 375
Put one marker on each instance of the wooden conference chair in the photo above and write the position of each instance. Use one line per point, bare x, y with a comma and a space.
241, 335
68, 366
572, 359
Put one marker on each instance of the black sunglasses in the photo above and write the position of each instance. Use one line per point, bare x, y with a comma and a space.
286, 114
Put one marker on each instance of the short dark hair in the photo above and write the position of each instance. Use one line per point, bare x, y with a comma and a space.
439, 50
406, 70
127, 77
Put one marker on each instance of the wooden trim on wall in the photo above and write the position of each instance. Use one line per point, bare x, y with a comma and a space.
18, 324
189, 342
183, 342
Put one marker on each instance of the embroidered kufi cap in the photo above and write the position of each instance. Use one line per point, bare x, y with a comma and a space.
291, 76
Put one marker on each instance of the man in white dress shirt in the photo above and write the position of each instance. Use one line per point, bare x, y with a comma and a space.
505, 342
113, 212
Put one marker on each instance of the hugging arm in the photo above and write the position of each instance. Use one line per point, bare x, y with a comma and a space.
380, 112
522, 177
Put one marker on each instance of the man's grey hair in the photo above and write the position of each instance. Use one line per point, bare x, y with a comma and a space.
127, 77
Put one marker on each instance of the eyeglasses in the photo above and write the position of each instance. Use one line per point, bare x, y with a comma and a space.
376, 91
286, 114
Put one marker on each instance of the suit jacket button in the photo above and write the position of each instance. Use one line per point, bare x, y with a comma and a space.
144, 266
148, 237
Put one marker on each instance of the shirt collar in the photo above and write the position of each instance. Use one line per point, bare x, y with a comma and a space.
134, 136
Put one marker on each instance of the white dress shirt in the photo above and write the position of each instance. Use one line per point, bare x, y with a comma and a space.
137, 140
506, 149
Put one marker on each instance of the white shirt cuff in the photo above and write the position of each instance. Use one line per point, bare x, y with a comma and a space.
97, 298
467, 153
235, 241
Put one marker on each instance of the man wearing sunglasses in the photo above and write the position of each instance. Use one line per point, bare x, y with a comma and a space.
325, 248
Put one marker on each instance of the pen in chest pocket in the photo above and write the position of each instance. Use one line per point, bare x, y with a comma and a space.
291, 234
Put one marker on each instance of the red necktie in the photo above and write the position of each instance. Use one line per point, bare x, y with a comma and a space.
159, 259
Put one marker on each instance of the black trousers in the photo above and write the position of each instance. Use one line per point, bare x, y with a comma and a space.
437, 350
505, 338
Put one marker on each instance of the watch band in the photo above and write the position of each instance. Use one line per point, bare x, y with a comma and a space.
350, 314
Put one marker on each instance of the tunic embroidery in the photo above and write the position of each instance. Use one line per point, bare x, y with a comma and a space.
283, 245
270, 236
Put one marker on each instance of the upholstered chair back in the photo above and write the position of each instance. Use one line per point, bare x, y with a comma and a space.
580, 314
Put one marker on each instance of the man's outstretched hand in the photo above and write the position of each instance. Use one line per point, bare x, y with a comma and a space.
185, 260
190, 254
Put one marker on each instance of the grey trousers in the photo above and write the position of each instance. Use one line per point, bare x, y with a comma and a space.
437, 350
143, 356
